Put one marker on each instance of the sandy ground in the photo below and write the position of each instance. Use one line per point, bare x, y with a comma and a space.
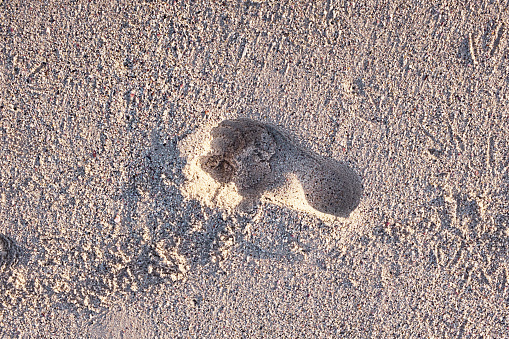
100, 101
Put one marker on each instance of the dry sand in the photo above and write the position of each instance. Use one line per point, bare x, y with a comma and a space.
100, 104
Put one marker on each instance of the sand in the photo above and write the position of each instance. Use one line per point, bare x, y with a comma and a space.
105, 107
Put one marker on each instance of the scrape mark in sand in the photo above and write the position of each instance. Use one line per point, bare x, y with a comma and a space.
471, 48
496, 41
253, 160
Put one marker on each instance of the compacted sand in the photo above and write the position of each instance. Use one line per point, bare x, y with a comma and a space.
122, 217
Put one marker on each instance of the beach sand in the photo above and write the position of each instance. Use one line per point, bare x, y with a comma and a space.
112, 229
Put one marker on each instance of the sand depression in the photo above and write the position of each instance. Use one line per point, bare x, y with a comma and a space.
261, 161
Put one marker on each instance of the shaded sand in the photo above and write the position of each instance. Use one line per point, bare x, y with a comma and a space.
262, 163
8, 252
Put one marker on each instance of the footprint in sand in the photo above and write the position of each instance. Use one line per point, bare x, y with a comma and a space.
259, 160
7, 252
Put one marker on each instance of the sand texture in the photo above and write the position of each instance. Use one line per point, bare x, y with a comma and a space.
366, 195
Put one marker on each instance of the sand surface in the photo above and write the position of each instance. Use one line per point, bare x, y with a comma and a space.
101, 102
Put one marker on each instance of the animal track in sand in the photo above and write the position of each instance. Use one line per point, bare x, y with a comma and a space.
7, 252
258, 159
